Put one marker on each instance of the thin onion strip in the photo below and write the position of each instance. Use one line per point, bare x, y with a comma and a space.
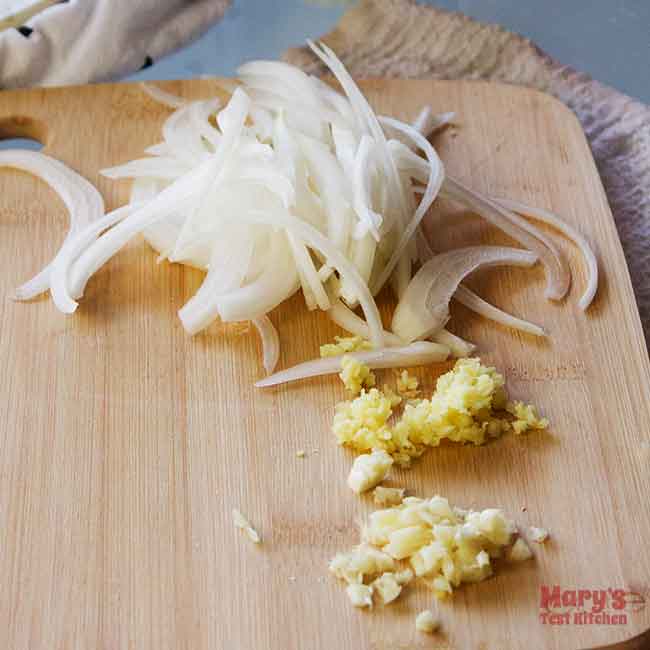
559, 276
571, 233
424, 308
420, 353
346, 319
470, 300
162, 96
83, 201
270, 342
436, 177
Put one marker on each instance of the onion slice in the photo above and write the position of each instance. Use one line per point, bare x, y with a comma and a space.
559, 276
346, 319
334, 258
571, 233
458, 347
270, 342
468, 298
420, 353
162, 96
427, 122
73, 249
84, 202
424, 308
436, 177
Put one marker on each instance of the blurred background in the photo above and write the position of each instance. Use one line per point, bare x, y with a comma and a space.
608, 39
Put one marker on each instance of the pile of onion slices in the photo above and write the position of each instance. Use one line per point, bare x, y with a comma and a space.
293, 186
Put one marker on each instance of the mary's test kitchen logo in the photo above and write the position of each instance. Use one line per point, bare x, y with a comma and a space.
566, 606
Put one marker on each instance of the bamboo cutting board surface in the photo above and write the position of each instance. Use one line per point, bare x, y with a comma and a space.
125, 444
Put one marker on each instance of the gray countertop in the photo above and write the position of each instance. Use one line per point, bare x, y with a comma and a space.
608, 39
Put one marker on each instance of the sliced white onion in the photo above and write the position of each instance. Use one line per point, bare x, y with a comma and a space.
309, 278
297, 182
73, 248
436, 177
368, 123
459, 347
200, 113
571, 233
158, 167
270, 342
420, 353
335, 99
424, 309
162, 96
324, 169
468, 298
427, 122
369, 220
181, 138
159, 149
346, 319
84, 203
477, 304
164, 204
226, 273
559, 276
334, 257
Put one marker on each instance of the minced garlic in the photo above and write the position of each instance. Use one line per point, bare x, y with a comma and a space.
360, 595
343, 345
444, 547
426, 622
386, 587
362, 561
520, 551
368, 470
355, 375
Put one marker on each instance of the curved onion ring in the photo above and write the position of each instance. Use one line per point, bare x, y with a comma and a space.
85, 204
270, 342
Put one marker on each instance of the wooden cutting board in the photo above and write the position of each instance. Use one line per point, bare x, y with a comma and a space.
125, 444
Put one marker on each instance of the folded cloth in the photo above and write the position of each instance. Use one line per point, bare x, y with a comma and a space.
79, 41
399, 38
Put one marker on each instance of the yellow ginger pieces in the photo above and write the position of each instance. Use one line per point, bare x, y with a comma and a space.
355, 375
469, 405
526, 417
407, 385
343, 345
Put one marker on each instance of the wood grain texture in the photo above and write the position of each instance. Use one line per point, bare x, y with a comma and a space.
125, 444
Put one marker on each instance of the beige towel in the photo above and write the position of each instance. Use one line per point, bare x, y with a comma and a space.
398, 38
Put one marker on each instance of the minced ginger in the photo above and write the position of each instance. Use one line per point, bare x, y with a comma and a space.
469, 405
526, 417
407, 385
444, 547
355, 375
343, 345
